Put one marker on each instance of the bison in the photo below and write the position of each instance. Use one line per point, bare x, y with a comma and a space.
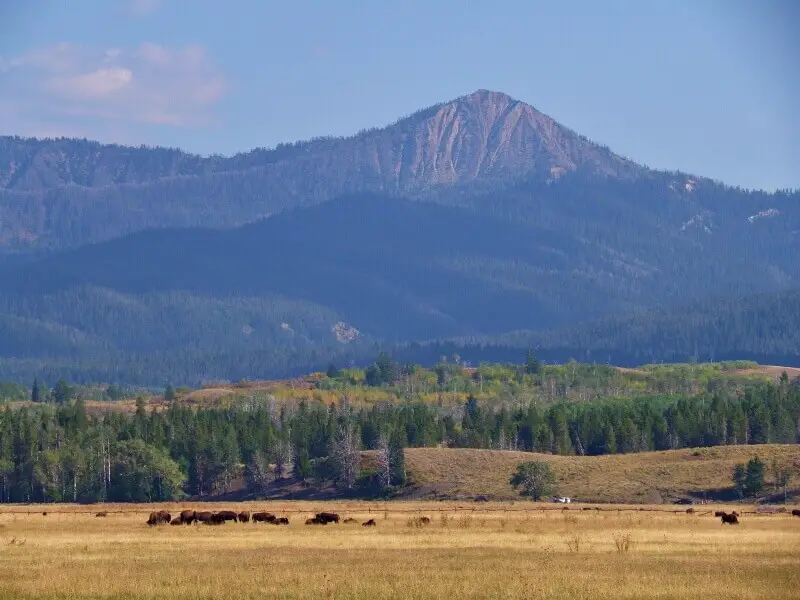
719, 513
263, 517
328, 517
689, 511
176, 521
188, 517
159, 517
425, 520
228, 515
350, 521
244, 517
216, 519
102, 514
730, 519
795, 512
316, 521
203, 516
370, 523
281, 521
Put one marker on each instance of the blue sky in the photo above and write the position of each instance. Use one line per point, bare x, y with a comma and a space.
711, 87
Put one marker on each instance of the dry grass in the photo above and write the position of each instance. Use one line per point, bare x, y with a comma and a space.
479, 551
771, 371
648, 477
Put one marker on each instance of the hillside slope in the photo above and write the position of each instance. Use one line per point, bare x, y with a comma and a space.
641, 478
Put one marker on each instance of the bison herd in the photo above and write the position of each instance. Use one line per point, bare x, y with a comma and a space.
187, 517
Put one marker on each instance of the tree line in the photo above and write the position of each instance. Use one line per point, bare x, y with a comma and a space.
52, 452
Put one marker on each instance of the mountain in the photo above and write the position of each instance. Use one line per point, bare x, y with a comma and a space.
467, 220
63, 193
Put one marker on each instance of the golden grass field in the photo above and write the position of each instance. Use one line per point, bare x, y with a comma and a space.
470, 550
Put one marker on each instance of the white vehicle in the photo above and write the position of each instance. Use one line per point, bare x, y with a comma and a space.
564, 500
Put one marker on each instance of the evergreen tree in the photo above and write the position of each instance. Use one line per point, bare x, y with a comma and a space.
302, 464
739, 479
35, 393
532, 366
754, 477
62, 393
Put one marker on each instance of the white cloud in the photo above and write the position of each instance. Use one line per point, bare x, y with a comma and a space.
147, 84
141, 8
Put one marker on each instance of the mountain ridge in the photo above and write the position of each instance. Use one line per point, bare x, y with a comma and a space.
448, 123
57, 194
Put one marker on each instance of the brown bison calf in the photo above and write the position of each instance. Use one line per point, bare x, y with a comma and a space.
370, 523
281, 521
244, 517
350, 521
316, 521
176, 521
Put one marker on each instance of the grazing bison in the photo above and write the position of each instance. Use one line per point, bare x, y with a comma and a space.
730, 519
316, 521
281, 521
719, 513
216, 519
203, 517
228, 515
350, 521
244, 517
425, 520
176, 521
689, 511
370, 523
795, 512
159, 517
188, 517
101, 514
328, 517
263, 517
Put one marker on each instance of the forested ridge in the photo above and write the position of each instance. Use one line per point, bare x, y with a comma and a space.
61, 448
213, 304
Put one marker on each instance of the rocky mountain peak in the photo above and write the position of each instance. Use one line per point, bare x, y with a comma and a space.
489, 134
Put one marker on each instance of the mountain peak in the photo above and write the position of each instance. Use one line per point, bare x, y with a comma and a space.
489, 134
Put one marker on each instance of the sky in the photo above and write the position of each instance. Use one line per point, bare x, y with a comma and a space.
710, 87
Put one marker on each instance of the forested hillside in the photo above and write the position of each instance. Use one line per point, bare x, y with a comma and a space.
760, 327
57, 450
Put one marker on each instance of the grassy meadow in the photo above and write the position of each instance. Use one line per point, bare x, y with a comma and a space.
636, 478
470, 550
